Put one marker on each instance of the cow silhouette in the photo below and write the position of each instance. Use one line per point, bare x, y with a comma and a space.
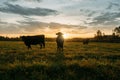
34, 40
59, 41
85, 41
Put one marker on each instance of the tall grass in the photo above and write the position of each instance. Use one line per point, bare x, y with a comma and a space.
96, 61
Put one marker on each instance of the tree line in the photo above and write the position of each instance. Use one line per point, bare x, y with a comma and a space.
2, 38
99, 37
114, 37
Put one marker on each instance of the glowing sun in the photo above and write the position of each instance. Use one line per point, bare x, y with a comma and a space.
66, 36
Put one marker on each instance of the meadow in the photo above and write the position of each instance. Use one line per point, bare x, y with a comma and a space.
95, 61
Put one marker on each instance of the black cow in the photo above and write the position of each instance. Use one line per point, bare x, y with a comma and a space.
85, 41
60, 41
33, 40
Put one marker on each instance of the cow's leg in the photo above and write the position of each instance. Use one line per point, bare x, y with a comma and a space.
58, 48
40, 46
29, 47
44, 44
61, 47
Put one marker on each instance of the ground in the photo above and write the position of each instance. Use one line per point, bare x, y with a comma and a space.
95, 61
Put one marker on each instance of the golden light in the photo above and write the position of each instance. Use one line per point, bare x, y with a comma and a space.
66, 36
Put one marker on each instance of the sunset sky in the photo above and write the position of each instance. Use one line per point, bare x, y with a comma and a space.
75, 18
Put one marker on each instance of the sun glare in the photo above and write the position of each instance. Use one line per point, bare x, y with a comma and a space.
66, 36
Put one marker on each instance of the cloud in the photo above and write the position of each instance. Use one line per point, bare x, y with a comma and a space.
9, 28
28, 18
111, 5
2, 22
107, 18
13, 0
87, 12
91, 13
30, 25
17, 9
53, 25
49, 29
26, 0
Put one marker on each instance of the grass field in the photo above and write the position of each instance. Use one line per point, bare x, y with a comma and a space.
96, 61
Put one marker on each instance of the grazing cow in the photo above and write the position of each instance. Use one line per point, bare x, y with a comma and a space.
60, 41
33, 40
85, 41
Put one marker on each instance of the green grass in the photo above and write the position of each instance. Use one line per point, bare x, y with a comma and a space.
96, 61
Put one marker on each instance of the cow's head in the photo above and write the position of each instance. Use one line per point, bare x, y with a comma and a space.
59, 33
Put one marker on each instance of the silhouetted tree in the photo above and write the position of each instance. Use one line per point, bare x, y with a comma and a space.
103, 34
113, 34
99, 33
117, 31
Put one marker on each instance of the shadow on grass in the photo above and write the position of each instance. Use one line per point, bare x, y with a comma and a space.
58, 70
